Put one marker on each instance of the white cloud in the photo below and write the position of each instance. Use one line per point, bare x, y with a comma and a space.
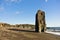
46, 0
16, 1
9, 2
18, 12
1, 9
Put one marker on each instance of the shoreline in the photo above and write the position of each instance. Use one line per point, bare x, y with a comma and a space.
54, 33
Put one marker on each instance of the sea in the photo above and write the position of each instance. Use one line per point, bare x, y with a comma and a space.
53, 30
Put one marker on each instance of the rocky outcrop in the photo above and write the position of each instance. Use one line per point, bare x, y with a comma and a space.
40, 25
4, 25
21, 26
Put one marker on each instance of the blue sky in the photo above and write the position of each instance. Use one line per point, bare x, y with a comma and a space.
23, 11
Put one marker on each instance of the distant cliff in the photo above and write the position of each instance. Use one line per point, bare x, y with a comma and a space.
17, 25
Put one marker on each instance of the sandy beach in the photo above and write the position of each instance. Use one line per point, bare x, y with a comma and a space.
24, 35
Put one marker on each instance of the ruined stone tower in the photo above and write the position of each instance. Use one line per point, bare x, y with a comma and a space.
40, 25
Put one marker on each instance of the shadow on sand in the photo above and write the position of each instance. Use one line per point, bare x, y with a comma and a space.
22, 30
